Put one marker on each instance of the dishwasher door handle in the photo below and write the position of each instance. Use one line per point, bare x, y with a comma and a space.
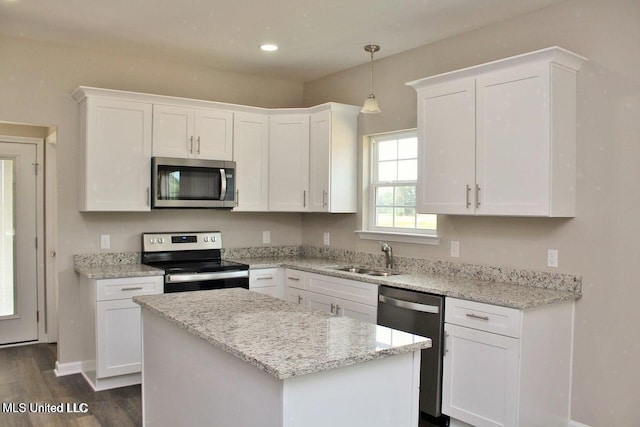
409, 305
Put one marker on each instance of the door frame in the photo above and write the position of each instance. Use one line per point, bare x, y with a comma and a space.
42, 243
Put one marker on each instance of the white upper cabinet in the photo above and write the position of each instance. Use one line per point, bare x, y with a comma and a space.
187, 132
251, 154
115, 153
500, 138
289, 162
333, 159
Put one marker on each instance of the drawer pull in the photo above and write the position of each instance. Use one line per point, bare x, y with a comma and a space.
264, 278
137, 288
475, 316
297, 279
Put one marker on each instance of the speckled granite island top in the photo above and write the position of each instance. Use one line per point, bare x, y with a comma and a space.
531, 289
281, 338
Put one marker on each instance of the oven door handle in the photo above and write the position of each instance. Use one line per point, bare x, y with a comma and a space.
198, 277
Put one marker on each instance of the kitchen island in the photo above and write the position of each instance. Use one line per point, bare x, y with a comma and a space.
233, 357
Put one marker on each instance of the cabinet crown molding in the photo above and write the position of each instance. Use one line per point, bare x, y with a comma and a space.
554, 54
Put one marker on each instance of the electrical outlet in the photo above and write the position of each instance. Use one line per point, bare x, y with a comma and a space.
266, 237
105, 241
326, 239
552, 258
455, 249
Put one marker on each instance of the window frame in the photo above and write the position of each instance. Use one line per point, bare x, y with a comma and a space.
370, 231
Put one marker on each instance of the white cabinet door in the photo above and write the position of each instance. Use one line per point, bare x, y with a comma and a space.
267, 281
251, 154
115, 155
513, 141
333, 158
320, 302
319, 165
173, 130
213, 134
446, 149
289, 162
355, 310
480, 377
188, 132
119, 345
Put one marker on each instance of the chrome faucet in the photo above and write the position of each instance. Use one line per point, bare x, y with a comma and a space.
388, 254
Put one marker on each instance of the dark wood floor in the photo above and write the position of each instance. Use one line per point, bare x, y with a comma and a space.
26, 377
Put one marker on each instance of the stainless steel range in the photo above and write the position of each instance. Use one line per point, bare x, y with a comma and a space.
192, 261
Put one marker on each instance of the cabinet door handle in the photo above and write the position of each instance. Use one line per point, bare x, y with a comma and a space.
445, 350
198, 145
265, 278
297, 279
476, 316
333, 306
467, 201
304, 198
324, 199
299, 299
477, 196
337, 310
191, 144
237, 197
148, 197
137, 288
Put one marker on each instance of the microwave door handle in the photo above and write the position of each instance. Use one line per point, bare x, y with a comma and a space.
223, 184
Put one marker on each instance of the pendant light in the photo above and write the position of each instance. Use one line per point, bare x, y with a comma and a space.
371, 103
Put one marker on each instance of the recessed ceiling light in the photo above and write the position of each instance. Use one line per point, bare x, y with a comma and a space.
268, 47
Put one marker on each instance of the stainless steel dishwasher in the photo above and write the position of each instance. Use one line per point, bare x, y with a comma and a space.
421, 314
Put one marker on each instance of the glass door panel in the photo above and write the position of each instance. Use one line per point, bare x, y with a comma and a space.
7, 241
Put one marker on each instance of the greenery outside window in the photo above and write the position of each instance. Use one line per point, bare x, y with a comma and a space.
392, 186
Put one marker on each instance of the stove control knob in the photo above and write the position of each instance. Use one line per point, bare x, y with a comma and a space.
160, 240
206, 239
152, 240
213, 238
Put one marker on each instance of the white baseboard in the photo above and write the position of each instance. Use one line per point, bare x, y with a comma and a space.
576, 424
70, 368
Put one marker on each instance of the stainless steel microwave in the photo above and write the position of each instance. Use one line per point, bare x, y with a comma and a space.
192, 183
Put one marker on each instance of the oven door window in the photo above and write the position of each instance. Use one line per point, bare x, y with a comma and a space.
188, 183
237, 282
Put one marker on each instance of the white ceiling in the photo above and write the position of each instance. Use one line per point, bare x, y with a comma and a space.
316, 37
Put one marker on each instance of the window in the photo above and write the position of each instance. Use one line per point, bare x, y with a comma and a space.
392, 186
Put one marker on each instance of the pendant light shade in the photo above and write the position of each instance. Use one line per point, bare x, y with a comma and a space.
371, 103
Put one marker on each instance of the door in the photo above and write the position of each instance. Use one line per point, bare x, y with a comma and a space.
320, 152
119, 341
289, 163
251, 154
214, 135
446, 149
18, 252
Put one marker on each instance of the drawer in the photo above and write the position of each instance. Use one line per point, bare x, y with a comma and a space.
294, 279
264, 278
484, 317
112, 289
352, 290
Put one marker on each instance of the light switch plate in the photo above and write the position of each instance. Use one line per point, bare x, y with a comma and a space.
266, 237
552, 258
326, 240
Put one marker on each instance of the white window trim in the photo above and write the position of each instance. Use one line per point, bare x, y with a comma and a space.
369, 232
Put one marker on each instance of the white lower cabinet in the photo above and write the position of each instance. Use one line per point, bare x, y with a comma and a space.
112, 330
267, 281
507, 367
343, 297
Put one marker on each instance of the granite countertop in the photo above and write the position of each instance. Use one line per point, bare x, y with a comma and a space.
117, 271
279, 337
488, 291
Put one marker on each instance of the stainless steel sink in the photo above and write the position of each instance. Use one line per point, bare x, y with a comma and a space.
366, 271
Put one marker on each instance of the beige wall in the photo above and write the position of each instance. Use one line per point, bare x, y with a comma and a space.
601, 243
36, 81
